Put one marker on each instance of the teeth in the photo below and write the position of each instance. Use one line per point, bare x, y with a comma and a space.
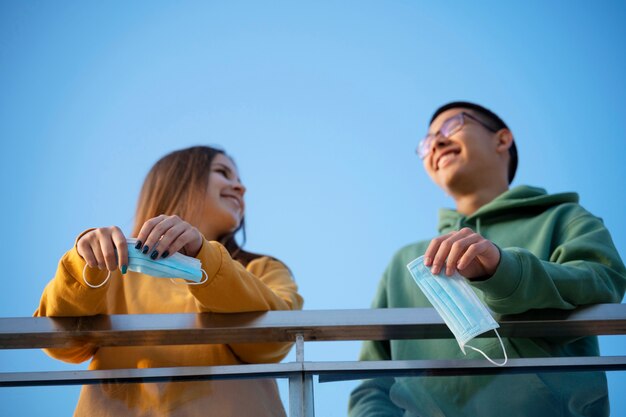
445, 158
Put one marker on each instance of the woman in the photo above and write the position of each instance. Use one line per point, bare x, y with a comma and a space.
192, 203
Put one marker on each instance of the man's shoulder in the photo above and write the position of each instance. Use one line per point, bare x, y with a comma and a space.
525, 202
568, 211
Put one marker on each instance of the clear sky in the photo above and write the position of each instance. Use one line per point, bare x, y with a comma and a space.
320, 103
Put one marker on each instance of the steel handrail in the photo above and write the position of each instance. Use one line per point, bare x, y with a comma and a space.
298, 327
282, 326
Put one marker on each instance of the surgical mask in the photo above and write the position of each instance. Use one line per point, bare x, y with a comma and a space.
176, 265
457, 304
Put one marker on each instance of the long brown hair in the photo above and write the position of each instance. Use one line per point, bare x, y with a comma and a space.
175, 185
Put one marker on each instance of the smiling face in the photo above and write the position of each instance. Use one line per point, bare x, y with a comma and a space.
224, 205
468, 160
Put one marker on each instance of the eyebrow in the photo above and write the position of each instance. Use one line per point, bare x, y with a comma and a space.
442, 123
220, 165
226, 168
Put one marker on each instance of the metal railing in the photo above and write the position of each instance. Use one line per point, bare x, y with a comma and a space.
300, 327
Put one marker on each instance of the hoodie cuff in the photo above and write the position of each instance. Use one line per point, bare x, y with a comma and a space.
81, 235
74, 264
210, 255
506, 279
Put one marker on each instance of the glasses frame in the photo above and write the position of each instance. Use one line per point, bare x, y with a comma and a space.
424, 146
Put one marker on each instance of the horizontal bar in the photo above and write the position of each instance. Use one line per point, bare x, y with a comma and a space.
345, 371
327, 371
134, 375
282, 326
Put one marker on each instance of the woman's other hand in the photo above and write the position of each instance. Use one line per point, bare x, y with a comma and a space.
104, 248
164, 235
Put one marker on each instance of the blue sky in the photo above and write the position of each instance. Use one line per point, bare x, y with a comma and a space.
320, 103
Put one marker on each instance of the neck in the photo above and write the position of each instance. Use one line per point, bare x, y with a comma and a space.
208, 233
468, 203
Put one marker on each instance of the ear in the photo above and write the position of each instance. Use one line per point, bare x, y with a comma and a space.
504, 140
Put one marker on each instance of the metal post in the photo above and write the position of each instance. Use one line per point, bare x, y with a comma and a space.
296, 396
309, 404
301, 402
299, 348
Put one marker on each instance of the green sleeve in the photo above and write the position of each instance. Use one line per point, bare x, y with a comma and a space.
371, 397
584, 268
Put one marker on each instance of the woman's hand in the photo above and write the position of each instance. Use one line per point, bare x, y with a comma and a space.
466, 251
163, 235
104, 248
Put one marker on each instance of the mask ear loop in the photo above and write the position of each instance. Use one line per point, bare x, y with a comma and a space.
487, 357
95, 286
205, 278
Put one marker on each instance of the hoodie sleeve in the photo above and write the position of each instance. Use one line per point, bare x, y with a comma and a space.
372, 397
583, 268
266, 284
66, 295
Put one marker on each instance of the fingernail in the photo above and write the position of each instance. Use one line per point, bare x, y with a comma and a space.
124, 269
154, 254
165, 254
138, 245
427, 261
145, 249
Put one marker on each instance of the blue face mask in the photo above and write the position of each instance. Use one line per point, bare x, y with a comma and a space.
457, 304
174, 266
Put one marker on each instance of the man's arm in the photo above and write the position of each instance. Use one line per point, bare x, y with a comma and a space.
371, 397
584, 268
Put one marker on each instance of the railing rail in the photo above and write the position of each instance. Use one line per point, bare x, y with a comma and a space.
283, 326
300, 326
327, 371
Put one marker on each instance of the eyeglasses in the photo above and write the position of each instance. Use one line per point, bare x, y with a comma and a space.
448, 128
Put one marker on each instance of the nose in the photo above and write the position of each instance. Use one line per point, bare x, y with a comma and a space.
239, 188
439, 142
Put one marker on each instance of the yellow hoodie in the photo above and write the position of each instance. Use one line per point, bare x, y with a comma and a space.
265, 284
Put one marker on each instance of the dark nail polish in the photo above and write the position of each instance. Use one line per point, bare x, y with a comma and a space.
124, 269
165, 254
138, 245
145, 249
154, 254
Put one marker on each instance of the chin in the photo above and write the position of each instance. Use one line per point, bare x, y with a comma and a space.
445, 179
235, 223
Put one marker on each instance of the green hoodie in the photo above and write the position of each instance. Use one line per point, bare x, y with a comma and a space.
554, 254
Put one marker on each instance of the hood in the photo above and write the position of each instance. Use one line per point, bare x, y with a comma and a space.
509, 203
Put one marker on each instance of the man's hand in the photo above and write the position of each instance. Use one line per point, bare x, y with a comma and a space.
466, 251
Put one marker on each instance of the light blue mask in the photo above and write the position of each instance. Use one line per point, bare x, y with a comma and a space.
176, 265
457, 304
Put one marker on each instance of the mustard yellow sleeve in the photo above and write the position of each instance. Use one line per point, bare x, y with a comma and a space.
266, 284
66, 295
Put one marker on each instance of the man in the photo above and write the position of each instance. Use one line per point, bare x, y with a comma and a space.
521, 249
